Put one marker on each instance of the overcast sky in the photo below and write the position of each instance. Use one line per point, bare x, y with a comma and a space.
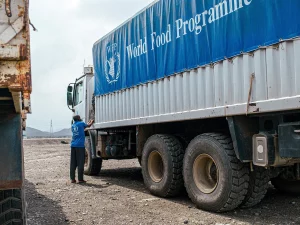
67, 30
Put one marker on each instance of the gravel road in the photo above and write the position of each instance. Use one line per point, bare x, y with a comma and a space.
118, 196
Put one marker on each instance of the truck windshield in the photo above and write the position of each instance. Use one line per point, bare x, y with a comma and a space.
78, 93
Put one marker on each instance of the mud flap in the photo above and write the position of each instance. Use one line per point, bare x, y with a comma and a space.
11, 152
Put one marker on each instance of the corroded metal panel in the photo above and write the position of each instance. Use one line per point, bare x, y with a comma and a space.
15, 89
15, 72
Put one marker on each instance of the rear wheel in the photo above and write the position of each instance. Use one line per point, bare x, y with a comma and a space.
184, 140
92, 166
287, 186
162, 165
214, 178
12, 207
258, 186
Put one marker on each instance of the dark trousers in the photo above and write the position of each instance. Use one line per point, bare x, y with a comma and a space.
77, 161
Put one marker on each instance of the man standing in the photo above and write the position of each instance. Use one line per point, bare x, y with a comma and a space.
78, 149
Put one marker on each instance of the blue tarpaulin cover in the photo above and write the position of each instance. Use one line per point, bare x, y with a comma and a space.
173, 36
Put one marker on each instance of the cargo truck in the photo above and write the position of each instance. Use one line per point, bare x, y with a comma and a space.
205, 94
15, 89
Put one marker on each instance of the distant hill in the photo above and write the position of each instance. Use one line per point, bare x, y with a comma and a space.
32, 132
63, 133
35, 133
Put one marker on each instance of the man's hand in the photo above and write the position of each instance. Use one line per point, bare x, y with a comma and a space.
90, 123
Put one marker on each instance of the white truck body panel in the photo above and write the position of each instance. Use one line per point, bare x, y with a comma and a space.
218, 90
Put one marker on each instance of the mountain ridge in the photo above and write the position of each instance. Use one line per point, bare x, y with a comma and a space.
36, 133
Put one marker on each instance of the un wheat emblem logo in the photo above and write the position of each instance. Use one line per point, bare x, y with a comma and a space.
112, 65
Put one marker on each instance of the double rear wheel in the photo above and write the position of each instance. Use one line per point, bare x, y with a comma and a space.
214, 178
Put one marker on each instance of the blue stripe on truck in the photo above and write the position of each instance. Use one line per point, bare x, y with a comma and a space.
173, 36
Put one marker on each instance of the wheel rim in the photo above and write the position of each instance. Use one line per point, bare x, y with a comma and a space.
156, 166
205, 173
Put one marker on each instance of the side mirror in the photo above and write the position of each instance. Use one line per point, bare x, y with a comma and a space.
69, 99
70, 88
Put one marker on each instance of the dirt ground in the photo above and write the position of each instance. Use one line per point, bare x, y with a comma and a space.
118, 196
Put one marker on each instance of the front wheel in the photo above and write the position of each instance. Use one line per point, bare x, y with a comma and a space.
92, 166
214, 178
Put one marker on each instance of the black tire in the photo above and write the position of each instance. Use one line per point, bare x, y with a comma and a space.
286, 186
258, 186
170, 156
12, 207
184, 140
221, 180
92, 166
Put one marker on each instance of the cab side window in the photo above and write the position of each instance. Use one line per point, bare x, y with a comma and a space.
78, 93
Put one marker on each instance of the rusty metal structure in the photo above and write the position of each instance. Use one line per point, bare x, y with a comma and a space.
15, 90
15, 75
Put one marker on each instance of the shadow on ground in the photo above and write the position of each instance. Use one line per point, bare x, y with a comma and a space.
276, 207
41, 209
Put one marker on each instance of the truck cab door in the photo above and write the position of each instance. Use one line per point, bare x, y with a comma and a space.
80, 99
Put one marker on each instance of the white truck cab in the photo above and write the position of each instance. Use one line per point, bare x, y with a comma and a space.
80, 95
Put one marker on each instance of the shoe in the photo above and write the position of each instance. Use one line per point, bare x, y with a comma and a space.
73, 181
81, 182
